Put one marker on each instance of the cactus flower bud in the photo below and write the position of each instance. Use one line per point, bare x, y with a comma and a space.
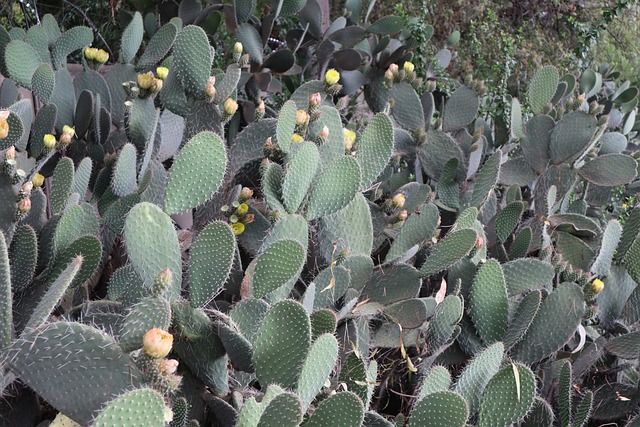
67, 134
332, 77
597, 286
27, 187
249, 218
296, 138
398, 200
479, 242
237, 228
90, 53
24, 205
167, 366
268, 143
4, 127
230, 107
408, 67
10, 154
389, 76
49, 141
393, 68
302, 118
102, 56
162, 72
402, 215
38, 180
245, 194
238, 48
349, 138
145, 80
242, 209
261, 107
210, 90
324, 133
156, 86
68, 129
157, 343
315, 100
162, 281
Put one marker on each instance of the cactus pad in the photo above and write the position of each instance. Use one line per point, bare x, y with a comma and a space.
336, 187
440, 409
554, 324
152, 245
276, 266
419, 227
196, 173
210, 262
192, 59
135, 408
542, 88
281, 344
53, 360
478, 373
508, 397
339, 410
374, 148
300, 171
448, 251
317, 367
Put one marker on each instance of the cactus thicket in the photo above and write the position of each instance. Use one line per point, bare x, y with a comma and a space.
182, 244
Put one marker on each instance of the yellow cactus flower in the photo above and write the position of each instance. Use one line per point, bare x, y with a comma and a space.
162, 72
90, 53
145, 80
49, 141
101, 56
296, 138
398, 200
157, 343
237, 228
597, 286
230, 107
37, 180
408, 67
349, 138
332, 77
4, 128
242, 209
238, 48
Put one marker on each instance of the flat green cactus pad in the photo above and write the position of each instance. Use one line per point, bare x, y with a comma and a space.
282, 341
196, 174
68, 354
440, 409
136, 408
508, 396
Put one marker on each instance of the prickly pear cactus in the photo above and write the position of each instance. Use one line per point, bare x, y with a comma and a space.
184, 243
